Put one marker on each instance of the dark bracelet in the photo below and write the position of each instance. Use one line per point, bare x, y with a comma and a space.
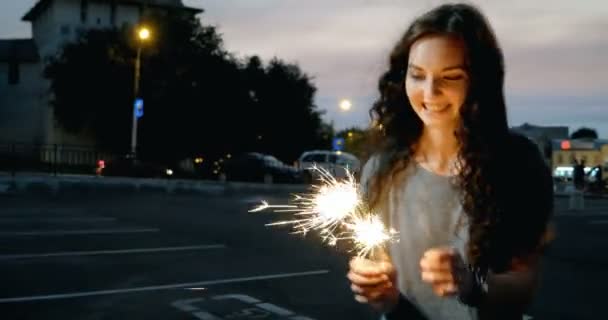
405, 309
474, 292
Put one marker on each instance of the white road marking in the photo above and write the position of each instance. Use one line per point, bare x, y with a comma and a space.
161, 287
186, 304
56, 219
527, 317
275, 309
102, 252
240, 297
202, 315
256, 308
74, 232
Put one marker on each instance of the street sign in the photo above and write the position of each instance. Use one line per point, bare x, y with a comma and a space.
139, 108
338, 144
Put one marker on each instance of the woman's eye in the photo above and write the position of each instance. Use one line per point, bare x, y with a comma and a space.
459, 77
416, 76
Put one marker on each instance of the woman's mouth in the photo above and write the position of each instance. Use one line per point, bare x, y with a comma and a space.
435, 108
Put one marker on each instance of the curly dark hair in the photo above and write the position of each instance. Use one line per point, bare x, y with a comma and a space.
482, 133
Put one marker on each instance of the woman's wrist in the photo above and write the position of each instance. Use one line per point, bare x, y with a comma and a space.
473, 287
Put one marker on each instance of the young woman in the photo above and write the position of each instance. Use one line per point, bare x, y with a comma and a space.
471, 201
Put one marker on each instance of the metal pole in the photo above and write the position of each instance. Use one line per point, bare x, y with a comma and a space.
135, 95
55, 161
13, 160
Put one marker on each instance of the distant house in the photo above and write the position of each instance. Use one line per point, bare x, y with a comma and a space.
543, 136
25, 113
594, 153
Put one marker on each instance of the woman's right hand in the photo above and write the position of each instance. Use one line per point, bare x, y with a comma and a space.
374, 282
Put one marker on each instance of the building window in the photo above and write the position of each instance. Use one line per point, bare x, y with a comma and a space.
84, 8
13, 72
113, 13
64, 30
80, 32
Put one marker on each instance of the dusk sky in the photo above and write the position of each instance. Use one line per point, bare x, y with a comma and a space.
556, 51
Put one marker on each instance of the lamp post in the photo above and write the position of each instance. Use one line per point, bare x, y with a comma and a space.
143, 34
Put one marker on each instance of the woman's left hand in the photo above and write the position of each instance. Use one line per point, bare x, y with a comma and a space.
442, 268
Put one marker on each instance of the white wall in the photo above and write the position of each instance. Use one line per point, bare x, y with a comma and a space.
24, 112
61, 22
127, 14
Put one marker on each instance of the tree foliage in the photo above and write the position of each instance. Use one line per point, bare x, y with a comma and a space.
584, 133
200, 100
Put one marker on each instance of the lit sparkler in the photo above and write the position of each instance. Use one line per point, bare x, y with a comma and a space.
368, 234
332, 206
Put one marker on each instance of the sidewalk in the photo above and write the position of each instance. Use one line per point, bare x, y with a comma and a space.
40, 183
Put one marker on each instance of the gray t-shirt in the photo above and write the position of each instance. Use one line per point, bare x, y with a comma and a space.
424, 208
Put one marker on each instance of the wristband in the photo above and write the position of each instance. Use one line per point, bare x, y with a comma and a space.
404, 309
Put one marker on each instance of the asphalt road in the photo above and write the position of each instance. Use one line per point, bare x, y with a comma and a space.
160, 256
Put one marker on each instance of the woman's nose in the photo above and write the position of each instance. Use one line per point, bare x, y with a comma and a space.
431, 89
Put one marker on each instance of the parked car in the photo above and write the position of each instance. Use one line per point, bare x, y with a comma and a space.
258, 167
335, 162
128, 167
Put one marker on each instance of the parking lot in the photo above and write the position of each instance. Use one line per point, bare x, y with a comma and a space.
162, 256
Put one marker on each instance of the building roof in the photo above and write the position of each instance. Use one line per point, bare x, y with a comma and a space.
18, 50
41, 5
536, 132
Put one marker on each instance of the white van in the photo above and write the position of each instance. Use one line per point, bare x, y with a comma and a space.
335, 162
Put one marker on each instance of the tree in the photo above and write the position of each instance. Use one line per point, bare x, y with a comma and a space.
583, 133
354, 141
199, 99
92, 83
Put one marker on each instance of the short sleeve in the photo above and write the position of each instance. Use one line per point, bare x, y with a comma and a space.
369, 170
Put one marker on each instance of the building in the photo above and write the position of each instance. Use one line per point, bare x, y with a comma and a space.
25, 114
543, 136
594, 152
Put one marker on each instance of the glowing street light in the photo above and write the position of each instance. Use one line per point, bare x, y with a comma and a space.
143, 33
345, 105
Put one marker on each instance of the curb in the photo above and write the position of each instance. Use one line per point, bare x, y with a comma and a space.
54, 185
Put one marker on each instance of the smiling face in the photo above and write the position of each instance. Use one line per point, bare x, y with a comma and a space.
437, 81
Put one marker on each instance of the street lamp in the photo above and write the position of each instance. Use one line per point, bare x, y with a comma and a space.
345, 105
143, 35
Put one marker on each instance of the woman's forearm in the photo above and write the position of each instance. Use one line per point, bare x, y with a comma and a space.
512, 290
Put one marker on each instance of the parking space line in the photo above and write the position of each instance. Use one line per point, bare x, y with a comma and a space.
74, 232
56, 219
104, 252
162, 287
275, 309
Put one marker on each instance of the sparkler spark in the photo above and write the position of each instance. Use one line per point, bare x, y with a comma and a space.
368, 233
331, 206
